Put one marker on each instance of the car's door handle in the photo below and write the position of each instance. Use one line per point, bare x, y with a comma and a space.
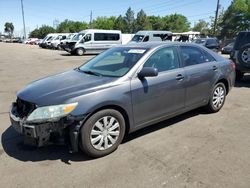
215, 68
179, 77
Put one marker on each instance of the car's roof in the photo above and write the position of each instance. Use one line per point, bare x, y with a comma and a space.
151, 45
206, 38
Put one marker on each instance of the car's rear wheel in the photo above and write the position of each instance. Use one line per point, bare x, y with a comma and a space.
102, 133
217, 98
80, 51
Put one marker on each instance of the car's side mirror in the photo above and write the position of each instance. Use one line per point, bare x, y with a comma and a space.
147, 72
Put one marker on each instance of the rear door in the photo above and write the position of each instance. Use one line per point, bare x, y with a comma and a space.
156, 97
201, 72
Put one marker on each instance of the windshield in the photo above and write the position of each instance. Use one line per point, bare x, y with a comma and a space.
115, 62
199, 41
138, 38
58, 37
78, 36
70, 36
49, 38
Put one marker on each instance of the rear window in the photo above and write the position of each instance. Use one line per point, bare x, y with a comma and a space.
106, 36
242, 39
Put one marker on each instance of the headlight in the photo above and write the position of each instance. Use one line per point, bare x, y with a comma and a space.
51, 113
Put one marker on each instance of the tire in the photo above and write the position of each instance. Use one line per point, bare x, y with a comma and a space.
80, 51
219, 92
58, 47
239, 75
96, 138
244, 55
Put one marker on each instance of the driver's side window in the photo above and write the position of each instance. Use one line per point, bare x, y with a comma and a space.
163, 60
87, 38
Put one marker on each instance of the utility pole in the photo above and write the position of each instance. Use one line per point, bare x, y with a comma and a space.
90, 21
216, 15
24, 29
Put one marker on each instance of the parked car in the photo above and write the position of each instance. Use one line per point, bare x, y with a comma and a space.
93, 41
31, 41
241, 54
120, 91
149, 36
17, 40
210, 43
228, 48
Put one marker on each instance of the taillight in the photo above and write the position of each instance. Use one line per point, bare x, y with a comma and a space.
232, 64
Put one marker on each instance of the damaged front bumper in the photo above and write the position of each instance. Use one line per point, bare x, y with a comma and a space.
43, 133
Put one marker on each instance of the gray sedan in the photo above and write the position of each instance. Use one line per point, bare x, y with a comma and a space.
120, 91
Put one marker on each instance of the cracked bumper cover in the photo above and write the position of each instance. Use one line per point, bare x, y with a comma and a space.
42, 132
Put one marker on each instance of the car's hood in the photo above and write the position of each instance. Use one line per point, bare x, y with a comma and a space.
59, 88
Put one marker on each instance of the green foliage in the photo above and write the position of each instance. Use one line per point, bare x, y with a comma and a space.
68, 26
176, 23
120, 24
9, 28
141, 22
156, 22
41, 32
127, 24
236, 18
130, 19
202, 26
104, 23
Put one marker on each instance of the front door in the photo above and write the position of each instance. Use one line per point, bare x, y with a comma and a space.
155, 97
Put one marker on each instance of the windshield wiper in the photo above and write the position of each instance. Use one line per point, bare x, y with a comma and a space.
90, 72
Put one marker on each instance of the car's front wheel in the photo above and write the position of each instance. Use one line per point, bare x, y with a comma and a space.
80, 51
217, 98
102, 133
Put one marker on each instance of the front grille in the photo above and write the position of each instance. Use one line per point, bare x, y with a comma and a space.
24, 108
71, 45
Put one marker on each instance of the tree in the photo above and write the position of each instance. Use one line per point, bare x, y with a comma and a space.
202, 26
156, 22
141, 22
130, 19
236, 18
9, 28
104, 22
176, 23
120, 24
41, 32
68, 26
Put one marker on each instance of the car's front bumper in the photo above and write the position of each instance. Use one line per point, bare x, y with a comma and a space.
43, 133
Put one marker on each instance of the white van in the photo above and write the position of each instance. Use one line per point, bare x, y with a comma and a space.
47, 39
93, 41
55, 42
149, 36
